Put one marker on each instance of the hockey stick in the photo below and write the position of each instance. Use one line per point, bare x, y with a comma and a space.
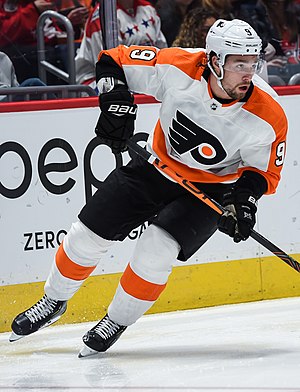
209, 201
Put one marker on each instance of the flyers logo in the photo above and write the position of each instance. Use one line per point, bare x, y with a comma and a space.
185, 135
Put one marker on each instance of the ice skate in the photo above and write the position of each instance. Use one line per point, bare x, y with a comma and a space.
101, 337
45, 312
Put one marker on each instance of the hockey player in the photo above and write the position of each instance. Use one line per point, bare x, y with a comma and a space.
220, 126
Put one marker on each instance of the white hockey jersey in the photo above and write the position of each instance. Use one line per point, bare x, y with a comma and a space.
197, 136
141, 27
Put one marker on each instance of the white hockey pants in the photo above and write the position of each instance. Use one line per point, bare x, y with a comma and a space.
141, 283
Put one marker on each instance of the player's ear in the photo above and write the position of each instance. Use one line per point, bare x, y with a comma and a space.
215, 64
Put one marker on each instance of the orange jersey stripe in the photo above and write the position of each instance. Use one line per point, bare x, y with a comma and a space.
177, 57
139, 288
68, 268
272, 113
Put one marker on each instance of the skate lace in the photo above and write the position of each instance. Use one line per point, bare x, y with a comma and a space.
106, 328
41, 309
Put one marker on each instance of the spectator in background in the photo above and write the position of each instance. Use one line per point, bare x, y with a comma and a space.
18, 20
171, 13
138, 24
77, 11
284, 22
284, 18
194, 28
220, 7
8, 78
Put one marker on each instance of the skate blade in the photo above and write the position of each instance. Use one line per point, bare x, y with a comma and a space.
87, 352
13, 337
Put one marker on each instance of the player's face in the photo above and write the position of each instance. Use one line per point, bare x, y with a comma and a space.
238, 73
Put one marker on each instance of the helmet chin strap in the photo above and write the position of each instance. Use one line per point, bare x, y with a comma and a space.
219, 83
219, 78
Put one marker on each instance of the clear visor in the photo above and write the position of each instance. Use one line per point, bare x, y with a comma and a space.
244, 67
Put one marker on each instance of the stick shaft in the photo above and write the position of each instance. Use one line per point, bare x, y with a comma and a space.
209, 201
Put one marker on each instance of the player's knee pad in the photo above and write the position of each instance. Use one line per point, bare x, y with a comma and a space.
83, 246
154, 254
75, 260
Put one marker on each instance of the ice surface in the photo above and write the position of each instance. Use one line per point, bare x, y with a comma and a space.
244, 347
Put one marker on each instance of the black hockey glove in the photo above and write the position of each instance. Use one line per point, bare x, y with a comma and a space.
239, 218
241, 205
116, 122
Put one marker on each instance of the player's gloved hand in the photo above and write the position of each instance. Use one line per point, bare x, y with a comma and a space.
239, 218
116, 122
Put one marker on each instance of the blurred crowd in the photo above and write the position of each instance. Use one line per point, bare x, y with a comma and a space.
162, 23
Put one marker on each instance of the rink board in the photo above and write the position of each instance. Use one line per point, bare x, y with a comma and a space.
53, 164
189, 287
